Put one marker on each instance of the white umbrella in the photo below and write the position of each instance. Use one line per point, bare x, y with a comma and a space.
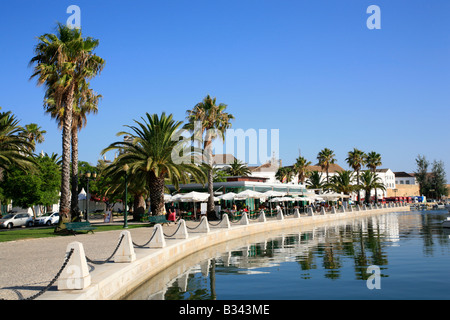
227, 196
167, 198
249, 194
272, 193
194, 197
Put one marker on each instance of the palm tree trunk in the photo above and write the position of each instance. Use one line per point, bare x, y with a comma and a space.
156, 186
359, 192
74, 204
64, 202
208, 150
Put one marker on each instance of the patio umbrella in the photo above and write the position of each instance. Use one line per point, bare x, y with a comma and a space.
250, 194
272, 193
227, 196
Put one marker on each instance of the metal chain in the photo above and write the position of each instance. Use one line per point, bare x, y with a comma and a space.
66, 261
144, 245
112, 255
179, 225
194, 227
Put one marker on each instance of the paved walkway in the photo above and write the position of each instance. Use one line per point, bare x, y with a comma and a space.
28, 266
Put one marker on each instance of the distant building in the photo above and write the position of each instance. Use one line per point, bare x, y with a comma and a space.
404, 178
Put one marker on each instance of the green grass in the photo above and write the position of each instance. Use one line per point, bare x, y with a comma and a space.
34, 233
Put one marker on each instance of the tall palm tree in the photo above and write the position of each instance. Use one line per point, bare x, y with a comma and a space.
326, 157
34, 134
373, 160
148, 152
61, 61
214, 121
356, 160
237, 168
369, 181
301, 168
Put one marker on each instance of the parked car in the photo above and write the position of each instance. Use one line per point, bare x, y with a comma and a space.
16, 220
47, 219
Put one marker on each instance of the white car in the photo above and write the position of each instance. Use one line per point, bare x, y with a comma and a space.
47, 219
16, 220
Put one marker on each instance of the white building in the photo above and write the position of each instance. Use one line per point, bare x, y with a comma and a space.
404, 178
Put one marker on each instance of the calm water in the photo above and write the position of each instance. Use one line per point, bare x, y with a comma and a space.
411, 249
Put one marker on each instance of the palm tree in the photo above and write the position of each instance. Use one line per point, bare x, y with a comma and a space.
301, 168
284, 174
214, 121
373, 160
15, 149
148, 152
356, 160
343, 182
237, 168
34, 134
326, 157
61, 62
315, 180
369, 181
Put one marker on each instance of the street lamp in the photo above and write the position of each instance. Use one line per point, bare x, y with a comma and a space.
88, 196
125, 220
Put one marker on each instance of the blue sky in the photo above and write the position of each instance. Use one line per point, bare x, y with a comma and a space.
311, 69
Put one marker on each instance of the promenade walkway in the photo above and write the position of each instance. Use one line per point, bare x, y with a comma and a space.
28, 266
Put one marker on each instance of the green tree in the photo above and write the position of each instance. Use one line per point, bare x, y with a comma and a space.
238, 168
34, 134
149, 152
301, 168
284, 174
326, 157
14, 147
40, 188
343, 181
371, 181
214, 121
438, 180
315, 180
61, 62
421, 174
373, 160
356, 160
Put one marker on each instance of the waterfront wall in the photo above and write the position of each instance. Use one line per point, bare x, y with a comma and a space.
114, 281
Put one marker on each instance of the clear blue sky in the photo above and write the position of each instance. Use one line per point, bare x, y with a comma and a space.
309, 68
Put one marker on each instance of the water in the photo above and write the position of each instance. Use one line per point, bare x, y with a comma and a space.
411, 250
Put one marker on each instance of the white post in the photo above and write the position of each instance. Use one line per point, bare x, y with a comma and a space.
75, 275
311, 212
244, 220
262, 216
125, 252
322, 211
280, 215
204, 226
182, 232
333, 209
158, 240
225, 223
296, 213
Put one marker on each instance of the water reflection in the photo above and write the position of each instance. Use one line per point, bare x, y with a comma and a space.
338, 253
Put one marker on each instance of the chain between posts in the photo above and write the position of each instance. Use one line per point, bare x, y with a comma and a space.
112, 255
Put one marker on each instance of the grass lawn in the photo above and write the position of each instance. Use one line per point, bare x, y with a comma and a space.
34, 233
